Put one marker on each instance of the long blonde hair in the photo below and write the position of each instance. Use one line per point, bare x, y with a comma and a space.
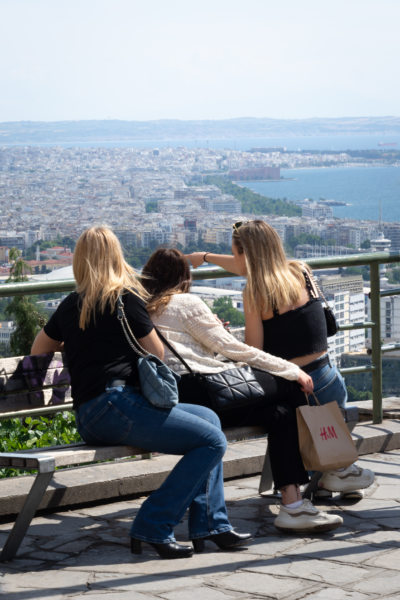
272, 280
101, 273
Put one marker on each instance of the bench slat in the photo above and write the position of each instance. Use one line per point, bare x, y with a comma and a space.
29, 373
66, 456
25, 400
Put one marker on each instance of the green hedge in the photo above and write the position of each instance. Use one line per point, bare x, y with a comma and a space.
36, 432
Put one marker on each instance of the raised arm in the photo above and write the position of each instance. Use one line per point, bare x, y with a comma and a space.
226, 261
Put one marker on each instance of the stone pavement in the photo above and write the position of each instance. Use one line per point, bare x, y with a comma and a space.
83, 553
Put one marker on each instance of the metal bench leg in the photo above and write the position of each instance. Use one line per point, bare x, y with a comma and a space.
266, 481
26, 515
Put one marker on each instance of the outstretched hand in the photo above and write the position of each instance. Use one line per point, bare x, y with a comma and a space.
196, 258
305, 382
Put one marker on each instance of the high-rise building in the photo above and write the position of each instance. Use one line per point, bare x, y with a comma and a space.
392, 232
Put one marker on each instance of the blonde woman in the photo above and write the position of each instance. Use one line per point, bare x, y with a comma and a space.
110, 408
200, 339
284, 316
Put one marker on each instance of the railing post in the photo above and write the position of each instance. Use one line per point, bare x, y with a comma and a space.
376, 356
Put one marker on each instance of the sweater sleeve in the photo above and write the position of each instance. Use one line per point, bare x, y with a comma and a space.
206, 328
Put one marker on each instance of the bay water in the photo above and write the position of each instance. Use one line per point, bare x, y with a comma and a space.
365, 190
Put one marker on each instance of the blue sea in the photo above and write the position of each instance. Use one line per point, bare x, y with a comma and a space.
363, 189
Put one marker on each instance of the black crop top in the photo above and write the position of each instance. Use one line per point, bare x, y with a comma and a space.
296, 332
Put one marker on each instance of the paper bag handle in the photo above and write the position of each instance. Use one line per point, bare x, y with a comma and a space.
315, 398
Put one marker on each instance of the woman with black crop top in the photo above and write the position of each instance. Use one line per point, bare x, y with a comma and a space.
111, 410
284, 316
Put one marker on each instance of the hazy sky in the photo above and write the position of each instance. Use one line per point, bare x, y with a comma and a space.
198, 59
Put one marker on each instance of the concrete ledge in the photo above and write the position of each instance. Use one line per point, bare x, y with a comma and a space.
370, 438
118, 479
114, 480
390, 407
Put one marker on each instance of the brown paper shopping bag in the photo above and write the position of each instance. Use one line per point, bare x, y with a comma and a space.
325, 442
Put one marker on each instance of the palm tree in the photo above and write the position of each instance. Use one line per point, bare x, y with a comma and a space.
21, 309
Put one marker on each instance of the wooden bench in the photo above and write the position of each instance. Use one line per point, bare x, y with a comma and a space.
38, 385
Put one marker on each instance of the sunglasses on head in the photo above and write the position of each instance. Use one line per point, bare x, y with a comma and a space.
236, 225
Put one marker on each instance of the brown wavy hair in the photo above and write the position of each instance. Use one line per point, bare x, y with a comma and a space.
166, 273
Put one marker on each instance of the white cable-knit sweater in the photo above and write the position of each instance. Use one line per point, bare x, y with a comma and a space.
200, 338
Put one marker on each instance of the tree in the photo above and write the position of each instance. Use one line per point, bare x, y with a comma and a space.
251, 201
21, 309
365, 244
225, 311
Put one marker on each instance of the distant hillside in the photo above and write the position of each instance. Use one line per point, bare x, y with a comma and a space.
26, 132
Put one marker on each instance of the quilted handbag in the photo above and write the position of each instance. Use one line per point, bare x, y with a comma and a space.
229, 389
226, 390
158, 383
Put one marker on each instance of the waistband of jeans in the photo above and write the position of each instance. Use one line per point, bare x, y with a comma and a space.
316, 364
116, 383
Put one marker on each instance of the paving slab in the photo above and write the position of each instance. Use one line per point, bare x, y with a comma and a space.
84, 552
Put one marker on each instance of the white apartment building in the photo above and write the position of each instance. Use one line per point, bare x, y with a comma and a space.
217, 235
390, 319
6, 329
348, 308
223, 204
345, 295
316, 211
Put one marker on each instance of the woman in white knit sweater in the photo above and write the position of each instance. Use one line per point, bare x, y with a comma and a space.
202, 341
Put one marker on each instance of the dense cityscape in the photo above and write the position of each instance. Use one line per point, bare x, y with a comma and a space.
155, 195
174, 196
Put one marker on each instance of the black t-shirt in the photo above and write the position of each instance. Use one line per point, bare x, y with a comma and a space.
100, 352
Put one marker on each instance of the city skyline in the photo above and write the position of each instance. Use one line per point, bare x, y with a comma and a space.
135, 60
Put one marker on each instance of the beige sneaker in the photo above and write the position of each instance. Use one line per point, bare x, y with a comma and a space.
306, 519
348, 480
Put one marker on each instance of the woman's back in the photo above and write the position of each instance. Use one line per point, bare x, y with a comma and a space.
185, 322
297, 332
200, 338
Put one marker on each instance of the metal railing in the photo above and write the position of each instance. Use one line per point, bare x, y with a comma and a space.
373, 260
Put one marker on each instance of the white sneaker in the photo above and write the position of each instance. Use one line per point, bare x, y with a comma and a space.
348, 480
306, 519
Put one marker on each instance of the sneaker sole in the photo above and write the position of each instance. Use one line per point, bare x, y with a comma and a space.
353, 495
317, 529
344, 489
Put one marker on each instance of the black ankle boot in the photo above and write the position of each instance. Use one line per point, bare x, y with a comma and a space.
167, 550
225, 541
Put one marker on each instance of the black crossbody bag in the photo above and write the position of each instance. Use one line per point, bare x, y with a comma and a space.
236, 387
332, 326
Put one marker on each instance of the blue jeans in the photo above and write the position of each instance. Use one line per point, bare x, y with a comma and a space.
329, 385
123, 416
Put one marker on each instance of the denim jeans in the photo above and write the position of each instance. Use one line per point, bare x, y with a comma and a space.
329, 385
123, 416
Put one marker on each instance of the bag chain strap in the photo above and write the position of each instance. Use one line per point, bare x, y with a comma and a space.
310, 279
130, 337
